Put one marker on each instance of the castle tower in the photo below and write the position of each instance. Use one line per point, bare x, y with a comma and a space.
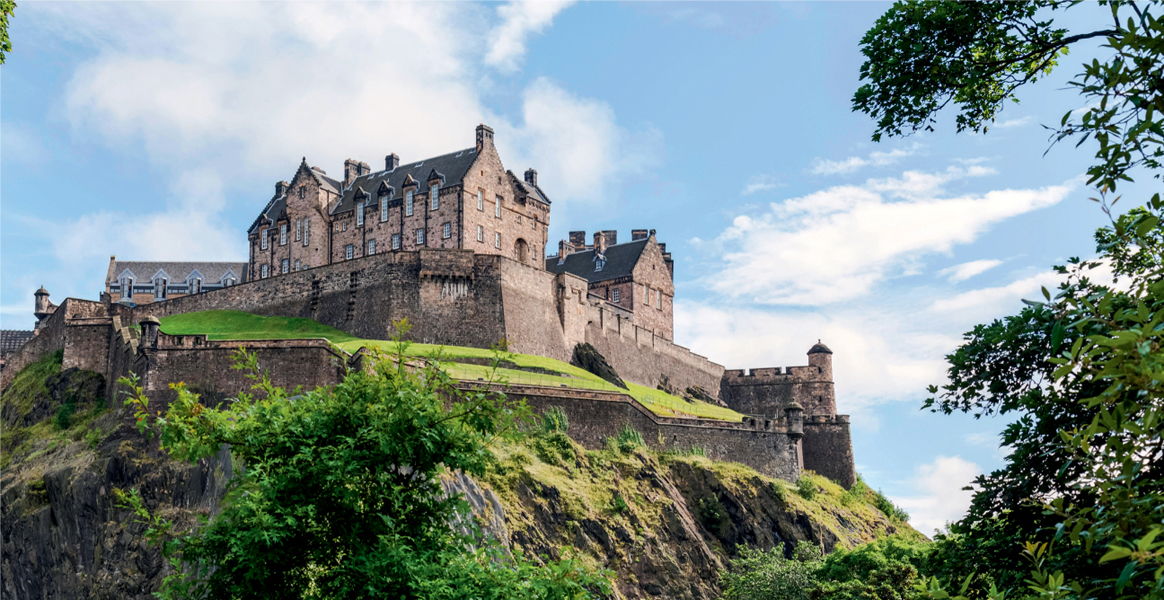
820, 398
42, 308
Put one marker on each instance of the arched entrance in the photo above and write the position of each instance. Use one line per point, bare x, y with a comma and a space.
521, 250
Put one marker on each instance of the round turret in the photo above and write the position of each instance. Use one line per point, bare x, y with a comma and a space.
819, 348
42, 307
149, 331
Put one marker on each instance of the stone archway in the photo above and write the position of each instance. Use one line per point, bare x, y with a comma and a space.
521, 251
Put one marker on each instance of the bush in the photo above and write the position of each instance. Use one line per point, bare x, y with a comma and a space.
857, 494
619, 505
806, 487
555, 420
769, 575
629, 439
711, 513
65, 414
93, 437
778, 492
890, 509
553, 448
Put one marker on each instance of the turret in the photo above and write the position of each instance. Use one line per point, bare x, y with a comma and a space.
149, 332
795, 414
821, 357
42, 307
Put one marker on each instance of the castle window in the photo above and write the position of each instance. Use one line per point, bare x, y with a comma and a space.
360, 213
420, 237
286, 265
264, 271
302, 193
599, 263
371, 247
349, 252
297, 265
337, 226
298, 229
447, 230
396, 241
497, 208
659, 300
384, 207
434, 194
497, 239
615, 298
480, 233
263, 237
646, 294
306, 230
345, 227
282, 234
480, 199
408, 203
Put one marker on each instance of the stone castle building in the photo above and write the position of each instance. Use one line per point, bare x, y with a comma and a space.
455, 244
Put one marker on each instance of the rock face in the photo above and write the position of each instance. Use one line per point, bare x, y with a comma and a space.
588, 358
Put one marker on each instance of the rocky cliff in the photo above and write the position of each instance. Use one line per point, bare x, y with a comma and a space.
663, 522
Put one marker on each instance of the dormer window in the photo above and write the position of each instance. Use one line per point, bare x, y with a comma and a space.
360, 212
408, 203
160, 288
599, 262
263, 242
434, 195
282, 234
384, 206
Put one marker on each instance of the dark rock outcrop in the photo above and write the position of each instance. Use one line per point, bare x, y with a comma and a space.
587, 357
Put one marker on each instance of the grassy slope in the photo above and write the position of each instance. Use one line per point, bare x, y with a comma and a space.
237, 325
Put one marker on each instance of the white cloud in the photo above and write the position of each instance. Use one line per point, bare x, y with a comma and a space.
967, 270
761, 183
520, 20
1013, 123
877, 158
836, 244
879, 357
998, 299
938, 495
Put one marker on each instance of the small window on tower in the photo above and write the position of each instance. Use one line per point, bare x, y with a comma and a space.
497, 208
659, 300
497, 239
447, 230
306, 230
480, 233
263, 243
615, 298
264, 271
297, 265
420, 237
298, 229
396, 241
302, 192
480, 199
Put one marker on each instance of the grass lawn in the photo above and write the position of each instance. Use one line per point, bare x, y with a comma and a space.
237, 325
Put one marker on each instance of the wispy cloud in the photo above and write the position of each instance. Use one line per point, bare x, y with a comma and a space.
878, 158
836, 244
761, 183
967, 270
1013, 123
519, 21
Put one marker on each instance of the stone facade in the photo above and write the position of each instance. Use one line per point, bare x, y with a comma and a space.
140, 282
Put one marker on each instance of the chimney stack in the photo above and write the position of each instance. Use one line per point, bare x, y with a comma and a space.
531, 176
599, 242
564, 249
484, 137
280, 188
638, 234
391, 162
353, 169
578, 239
609, 237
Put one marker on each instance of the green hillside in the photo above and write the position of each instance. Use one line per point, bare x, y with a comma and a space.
458, 361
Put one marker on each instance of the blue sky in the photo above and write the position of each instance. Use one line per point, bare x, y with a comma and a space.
157, 131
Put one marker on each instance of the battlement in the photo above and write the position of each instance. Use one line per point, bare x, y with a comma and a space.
767, 375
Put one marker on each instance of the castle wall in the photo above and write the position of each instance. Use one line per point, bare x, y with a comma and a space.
595, 416
828, 448
87, 344
50, 336
121, 357
643, 357
532, 325
766, 391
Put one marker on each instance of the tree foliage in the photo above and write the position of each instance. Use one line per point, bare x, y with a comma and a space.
921, 56
7, 8
340, 493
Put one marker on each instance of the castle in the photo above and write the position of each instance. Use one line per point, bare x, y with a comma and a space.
455, 244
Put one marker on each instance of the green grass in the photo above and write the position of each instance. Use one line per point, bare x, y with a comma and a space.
237, 325
30, 382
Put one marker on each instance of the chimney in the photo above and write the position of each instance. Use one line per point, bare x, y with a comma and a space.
280, 188
578, 239
531, 176
638, 234
610, 237
351, 171
484, 137
391, 162
599, 242
663, 248
564, 249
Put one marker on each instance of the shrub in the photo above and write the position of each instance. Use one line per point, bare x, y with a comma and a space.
890, 509
711, 513
93, 437
629, 439
770, 575
555, 420
553, 448
778, 492
65, 414
619, 504
806, 487
859, 493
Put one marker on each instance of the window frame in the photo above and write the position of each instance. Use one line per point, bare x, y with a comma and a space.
481, 234
497, 239
480, 199
497, 208
408, 197
420, 236
615, 296
384, 207
263, 270
285, 265
360, 213
447, 230
371, 247
434, 201
282, 234
349, 252
263, 238
396, 241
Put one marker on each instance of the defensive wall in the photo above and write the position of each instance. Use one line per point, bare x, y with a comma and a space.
457, 298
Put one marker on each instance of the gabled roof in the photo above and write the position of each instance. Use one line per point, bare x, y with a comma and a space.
620, 262
179, 272
451, 167
531, 189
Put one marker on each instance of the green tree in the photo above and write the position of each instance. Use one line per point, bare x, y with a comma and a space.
921, 56
885, 569
7, 8
340, 493
769, 575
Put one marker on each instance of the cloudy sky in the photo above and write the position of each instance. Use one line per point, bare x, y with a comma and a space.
157, 131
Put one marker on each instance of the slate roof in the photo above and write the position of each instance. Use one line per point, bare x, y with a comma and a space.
533, 190
12, 339
620, 262
274, 209
212, 272
451, 167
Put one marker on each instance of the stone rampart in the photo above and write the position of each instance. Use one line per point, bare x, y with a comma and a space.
828, 448
765, 391
643, 357
50, 336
